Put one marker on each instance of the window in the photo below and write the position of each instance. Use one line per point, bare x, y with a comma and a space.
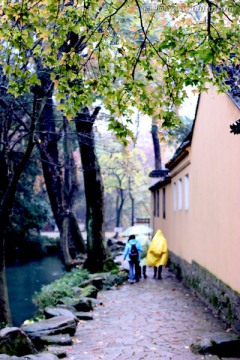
158, 203
174, 196
164, 202
154, 204
186, 192
180, 194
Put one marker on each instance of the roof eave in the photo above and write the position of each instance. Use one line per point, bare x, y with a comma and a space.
160, 184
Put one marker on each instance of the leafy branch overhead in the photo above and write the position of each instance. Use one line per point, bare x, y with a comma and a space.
235, 127
125, 53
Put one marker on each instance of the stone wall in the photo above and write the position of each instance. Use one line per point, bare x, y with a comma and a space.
218, 296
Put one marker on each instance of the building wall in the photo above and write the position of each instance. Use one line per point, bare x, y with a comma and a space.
208, 233
176, 224
215, 189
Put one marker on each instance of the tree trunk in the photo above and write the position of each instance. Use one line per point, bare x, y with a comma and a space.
121, 199
71, 241
156, 148
5, 313
75, 240
119, 207
96, 244
132, 207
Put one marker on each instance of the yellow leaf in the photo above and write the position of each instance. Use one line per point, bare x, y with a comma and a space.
132, 9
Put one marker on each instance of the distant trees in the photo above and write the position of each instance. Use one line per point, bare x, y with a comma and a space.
30, 212
125, 177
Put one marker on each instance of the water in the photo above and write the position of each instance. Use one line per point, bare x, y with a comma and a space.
24, 279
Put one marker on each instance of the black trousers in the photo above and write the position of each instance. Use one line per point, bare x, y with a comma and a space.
137, 271
158, 272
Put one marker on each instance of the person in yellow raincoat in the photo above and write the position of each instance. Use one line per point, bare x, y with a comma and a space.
157, 255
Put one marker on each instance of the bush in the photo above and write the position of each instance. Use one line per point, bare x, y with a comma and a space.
114, 279
50, 245
63, 287
109, 265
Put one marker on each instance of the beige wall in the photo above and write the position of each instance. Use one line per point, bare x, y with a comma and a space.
209, 232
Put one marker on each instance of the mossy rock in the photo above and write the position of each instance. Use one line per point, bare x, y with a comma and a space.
109, 265
115, 279
89, 291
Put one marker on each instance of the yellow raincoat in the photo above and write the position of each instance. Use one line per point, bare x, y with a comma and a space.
158, 251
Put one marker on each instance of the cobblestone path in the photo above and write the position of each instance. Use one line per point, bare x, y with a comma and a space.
149, 320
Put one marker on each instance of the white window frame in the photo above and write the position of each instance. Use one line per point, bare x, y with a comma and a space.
158, 203
186, 192
174, 196
180, 195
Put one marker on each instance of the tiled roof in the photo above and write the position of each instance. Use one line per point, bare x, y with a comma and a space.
158, 173
166, 180
186, 142
233, 79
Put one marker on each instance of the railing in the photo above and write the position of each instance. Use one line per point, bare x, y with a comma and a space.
142, 221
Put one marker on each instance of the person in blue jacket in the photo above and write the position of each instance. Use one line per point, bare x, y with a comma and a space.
132, 254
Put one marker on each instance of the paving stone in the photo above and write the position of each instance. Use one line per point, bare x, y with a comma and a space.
149, 320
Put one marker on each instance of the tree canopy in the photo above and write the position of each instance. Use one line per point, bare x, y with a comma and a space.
125, 53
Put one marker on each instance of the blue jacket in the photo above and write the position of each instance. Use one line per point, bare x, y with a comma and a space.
128, 248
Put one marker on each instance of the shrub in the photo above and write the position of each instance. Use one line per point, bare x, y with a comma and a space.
63, 287
109, 265
114, 279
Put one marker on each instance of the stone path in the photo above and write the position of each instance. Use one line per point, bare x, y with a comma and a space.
149, 320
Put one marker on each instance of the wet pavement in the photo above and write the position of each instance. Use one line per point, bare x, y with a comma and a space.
152, 319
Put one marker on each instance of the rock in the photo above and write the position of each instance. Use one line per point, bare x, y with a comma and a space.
97, 282
84, 316
67, 307
56, 340
65, 301
54, 326
221, 344
95, 302
86, 283
50, 312
83, 304
13, 341
89, 291
77, 291
109, 242
40, 356
121, 243
57, 351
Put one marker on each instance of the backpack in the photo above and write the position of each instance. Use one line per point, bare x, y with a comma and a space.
133, 254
